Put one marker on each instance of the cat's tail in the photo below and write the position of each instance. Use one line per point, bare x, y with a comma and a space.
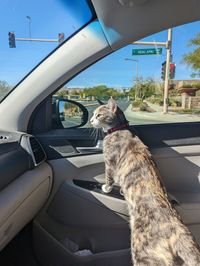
186, 249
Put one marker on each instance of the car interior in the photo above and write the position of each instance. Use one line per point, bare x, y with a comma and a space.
52, 209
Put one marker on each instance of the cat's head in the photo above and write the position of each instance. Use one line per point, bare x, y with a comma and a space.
108, 115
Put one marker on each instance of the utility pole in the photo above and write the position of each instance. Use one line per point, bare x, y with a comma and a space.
168, 46
168, 59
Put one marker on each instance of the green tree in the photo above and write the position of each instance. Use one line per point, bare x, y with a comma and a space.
99, 92
62, 93
144, 88
102, 92
193, 58
148, 88
4, 88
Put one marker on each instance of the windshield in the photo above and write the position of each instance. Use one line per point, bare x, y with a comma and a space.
30, 30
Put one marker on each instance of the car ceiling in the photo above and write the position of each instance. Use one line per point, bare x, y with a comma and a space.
125, 21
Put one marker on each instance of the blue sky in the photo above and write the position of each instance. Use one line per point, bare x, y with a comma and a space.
115, 71
48, 18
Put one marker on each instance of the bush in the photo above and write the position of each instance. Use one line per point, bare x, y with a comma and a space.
156, 100
144, 106
188, 85
197, 85
137, 104
175, 103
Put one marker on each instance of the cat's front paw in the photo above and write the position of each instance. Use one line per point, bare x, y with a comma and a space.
121, 192
106, 188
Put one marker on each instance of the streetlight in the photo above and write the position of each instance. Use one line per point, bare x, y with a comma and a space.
137, 63
29, 19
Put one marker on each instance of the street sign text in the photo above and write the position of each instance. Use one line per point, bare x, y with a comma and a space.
149, 51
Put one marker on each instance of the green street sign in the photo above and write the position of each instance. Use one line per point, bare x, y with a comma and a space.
149, 51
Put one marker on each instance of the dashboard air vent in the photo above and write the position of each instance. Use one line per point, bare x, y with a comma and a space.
38, 153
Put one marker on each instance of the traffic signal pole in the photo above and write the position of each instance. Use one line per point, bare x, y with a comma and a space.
36, 40
168, 46
168, 58
151, 43
12, 39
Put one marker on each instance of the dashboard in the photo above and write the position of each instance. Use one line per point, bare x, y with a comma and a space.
25, 182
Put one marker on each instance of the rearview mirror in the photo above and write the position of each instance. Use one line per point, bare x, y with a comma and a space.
68, 114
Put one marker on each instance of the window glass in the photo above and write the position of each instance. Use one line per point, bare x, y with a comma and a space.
135, 77
31, 29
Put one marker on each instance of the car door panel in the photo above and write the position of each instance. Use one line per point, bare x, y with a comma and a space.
169, 134
50, 251
179, 170
64, 142
91, 220
99, 222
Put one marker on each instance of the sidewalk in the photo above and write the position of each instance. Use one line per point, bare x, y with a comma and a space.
158, 117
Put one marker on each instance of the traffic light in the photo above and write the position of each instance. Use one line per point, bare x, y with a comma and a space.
61, 37
172, 71
11, 39
163, 71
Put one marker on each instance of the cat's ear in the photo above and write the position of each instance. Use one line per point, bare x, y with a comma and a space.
112, 105
100, 102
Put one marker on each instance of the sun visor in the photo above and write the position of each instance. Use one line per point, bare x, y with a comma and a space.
126, 21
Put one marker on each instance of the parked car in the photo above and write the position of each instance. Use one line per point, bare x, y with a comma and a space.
52, 209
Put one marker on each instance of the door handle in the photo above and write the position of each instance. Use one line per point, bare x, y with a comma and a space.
97, 148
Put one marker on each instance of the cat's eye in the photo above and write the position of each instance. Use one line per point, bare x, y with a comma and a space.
98, 115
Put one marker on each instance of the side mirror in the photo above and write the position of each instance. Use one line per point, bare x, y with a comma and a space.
68, 114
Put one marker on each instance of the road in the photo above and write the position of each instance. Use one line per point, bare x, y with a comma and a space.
139, 117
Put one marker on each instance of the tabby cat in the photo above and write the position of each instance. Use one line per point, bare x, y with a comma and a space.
158, 237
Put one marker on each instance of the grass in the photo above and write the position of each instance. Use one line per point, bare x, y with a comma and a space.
188, 111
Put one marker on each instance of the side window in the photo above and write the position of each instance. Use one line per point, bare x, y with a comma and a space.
155, 80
